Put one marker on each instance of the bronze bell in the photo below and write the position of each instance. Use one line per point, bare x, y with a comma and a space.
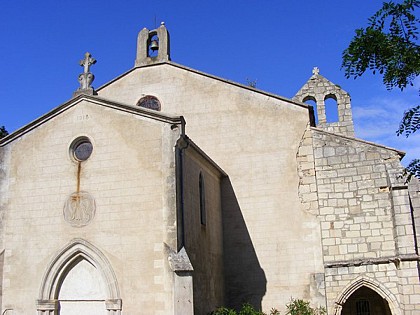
154, 45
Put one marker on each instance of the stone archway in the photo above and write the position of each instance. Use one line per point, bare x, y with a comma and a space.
79, 257
365, 301
369, 297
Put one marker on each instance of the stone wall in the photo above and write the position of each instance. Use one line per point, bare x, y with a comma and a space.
414, 191
365, 217
308, 191
363, 206
319, 89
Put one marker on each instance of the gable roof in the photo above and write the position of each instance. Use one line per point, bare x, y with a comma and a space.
338, 135
315, 81
213, 77
148, 113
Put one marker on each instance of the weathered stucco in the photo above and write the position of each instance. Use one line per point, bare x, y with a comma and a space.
254, 138
130, 174
292, 208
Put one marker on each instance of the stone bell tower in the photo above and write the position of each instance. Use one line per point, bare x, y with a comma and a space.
319, 89
152, 46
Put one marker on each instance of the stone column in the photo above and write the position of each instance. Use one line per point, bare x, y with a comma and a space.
402, 217
183, 283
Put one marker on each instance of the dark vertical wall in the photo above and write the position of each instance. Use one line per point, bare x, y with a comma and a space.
203, 243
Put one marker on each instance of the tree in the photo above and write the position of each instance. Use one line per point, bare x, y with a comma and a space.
3, 132
302, 307
390, 45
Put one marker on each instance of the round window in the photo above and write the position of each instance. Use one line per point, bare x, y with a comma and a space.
81, 149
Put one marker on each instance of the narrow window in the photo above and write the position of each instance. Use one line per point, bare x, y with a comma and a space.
362, 307
201, 189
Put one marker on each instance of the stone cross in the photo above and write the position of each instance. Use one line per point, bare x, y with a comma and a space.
87, 62
315, 71
86, 78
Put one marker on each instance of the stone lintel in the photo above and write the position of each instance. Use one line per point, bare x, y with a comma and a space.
373, 261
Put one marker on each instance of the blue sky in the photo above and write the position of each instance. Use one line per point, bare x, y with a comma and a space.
276, 43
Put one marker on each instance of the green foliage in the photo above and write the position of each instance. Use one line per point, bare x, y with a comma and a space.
388, 45
223, 311
3, 132
295, 307
410, 122
413, 169
247, 309
409, 125
301, 307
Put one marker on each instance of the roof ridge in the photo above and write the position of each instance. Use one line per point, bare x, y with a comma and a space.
93, 99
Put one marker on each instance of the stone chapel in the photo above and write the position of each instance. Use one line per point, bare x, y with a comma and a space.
172, 191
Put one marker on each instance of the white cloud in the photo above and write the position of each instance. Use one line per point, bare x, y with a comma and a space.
378, 120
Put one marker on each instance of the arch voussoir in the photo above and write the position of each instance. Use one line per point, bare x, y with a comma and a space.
372, 284
71, 254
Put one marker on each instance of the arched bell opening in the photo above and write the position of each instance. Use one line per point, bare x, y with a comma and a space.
153, 45
331, 108
313, 111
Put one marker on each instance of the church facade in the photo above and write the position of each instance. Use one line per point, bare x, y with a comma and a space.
172, 191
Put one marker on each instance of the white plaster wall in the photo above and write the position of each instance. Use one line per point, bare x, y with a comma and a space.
129, 178
254, 138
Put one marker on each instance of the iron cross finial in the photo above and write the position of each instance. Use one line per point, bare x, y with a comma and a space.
87, 62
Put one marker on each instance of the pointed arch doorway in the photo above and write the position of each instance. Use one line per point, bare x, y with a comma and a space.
365, 301
366, 296
79, 280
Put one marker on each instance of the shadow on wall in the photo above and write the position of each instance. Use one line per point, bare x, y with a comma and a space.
245, 280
